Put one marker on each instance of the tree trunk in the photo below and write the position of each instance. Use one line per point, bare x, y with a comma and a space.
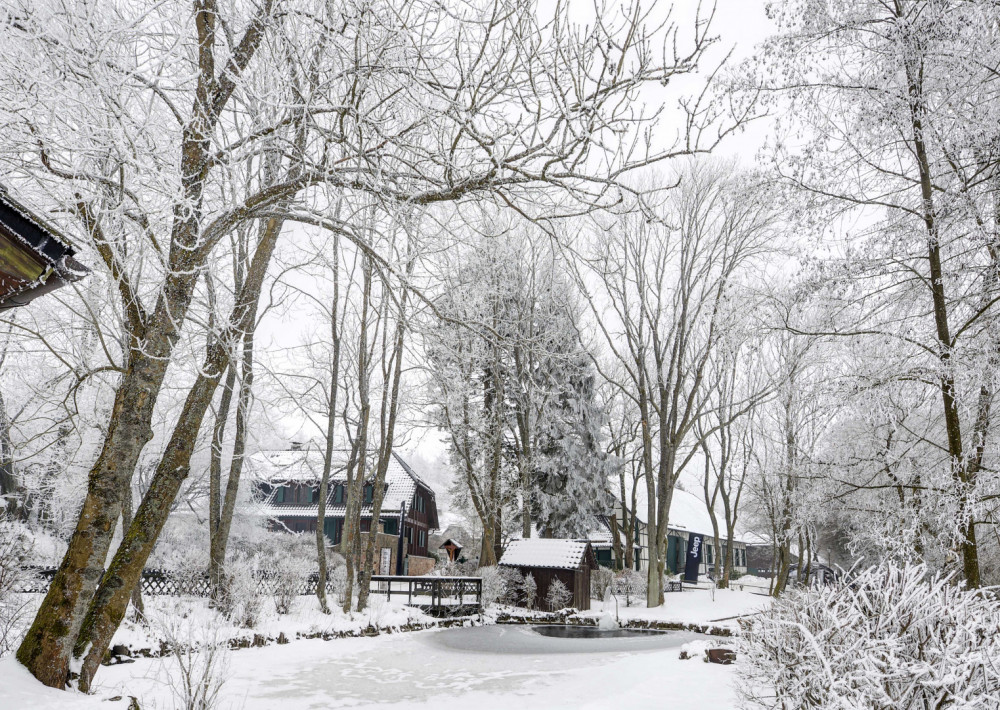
108, 607
331, 428
216, 550
136, 598
390, 410
48, 645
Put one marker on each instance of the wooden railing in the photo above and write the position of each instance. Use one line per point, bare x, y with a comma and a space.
436, 593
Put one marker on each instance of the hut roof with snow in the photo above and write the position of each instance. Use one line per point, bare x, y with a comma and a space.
549, 553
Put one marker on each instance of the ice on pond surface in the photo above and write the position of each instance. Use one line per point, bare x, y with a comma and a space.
491, 667
550, 640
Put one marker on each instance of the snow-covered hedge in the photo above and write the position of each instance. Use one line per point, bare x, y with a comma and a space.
892, 637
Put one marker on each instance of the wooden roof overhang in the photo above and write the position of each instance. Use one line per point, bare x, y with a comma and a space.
33, 260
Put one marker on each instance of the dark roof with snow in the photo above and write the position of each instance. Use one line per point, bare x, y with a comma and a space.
306, 467
33, 259
548, 552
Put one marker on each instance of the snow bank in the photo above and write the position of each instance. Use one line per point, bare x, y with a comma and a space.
692, 606
304, 621
19, 689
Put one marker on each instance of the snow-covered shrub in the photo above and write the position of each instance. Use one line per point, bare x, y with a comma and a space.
450, 569
630, 585
289, 578
338, 583
242, 598
529, 590
600, 579
558, 596
493, 585
15, 552
892, 637
181, 552
336, 575
199, 661
513, 584
290, 561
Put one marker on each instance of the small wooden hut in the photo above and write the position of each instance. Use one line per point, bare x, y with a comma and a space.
548, 559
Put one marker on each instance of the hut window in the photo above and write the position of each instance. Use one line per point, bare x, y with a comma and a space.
338, 494
368, 493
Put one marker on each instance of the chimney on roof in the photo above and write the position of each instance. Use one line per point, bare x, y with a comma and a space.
296, 446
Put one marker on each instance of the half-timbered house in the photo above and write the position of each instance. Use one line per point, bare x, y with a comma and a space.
287, 487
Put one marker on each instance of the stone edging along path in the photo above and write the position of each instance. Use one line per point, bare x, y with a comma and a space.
570, 617
120, 653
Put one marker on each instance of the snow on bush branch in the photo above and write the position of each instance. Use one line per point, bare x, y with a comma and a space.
891, 637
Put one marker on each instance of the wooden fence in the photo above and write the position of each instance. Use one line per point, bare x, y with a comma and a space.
156, 582
442, 595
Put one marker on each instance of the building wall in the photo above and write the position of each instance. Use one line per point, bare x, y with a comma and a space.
576, 581
418, 566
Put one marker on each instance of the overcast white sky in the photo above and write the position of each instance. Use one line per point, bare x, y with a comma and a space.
741, 25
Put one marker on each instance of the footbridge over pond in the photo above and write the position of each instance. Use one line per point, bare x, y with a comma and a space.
438, 596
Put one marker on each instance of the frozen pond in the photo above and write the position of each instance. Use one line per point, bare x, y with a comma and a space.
489, 667
551, 640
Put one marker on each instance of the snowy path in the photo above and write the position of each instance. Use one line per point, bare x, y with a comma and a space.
426, 670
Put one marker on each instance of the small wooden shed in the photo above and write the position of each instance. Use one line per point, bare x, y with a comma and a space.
548, 559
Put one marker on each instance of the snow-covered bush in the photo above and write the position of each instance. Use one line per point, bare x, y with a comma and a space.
289, 578
529, 590
199, 661
242, 598
600, 579
892, 637
182, 553
289, 560
15, 551
558, 596
493, 585
513, 584
337, 584
630, 585
336, 575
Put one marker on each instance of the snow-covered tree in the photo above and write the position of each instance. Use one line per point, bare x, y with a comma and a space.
558, 597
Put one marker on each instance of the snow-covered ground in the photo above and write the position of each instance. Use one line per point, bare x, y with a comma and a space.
698, 606
481, 667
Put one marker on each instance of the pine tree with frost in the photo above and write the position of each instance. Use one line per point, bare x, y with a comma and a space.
570, 480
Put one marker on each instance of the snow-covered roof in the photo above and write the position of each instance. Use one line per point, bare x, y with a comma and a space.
600, 537
545, 552
688, 513
306, 466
